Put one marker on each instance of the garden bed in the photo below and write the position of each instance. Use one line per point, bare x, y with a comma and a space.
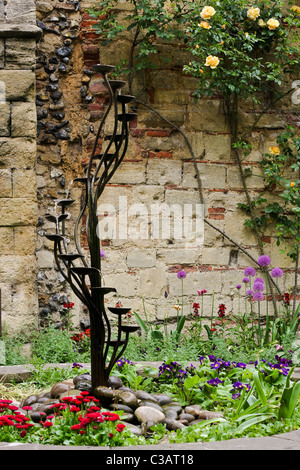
229, 400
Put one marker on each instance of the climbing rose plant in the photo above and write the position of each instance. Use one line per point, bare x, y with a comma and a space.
242, 49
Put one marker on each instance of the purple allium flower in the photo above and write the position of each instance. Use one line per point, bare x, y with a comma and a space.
258, 296
102, 254
259, 279
264, 260
249, 271
276, 272
246, 280
258, 287
249, 292
181, 275
238, 286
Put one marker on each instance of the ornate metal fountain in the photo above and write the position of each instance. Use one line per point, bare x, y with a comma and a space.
86, 279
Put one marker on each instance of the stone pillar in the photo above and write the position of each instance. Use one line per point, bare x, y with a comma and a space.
18, 198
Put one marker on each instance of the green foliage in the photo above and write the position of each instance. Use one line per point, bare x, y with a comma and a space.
147, 23
250, 56
281, 167
54, 345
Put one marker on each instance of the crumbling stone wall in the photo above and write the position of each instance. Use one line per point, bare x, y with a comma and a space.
18, 203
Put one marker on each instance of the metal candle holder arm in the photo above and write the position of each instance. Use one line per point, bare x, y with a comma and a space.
86, 280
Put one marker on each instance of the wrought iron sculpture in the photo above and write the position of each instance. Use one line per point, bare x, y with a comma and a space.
86, 280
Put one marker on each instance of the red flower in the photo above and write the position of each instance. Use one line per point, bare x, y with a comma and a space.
120, 427
74, 409
76, 427
48, 424
69, 305
286, 298
221, 311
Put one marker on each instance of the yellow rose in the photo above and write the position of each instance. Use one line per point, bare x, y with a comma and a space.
295, 8
272, 23
212, 61
205, 25
207, 12
292, 184
261, 23
274, 150
253, 13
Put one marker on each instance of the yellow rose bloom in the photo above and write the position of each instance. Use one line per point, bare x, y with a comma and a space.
295, 8
205, 25
253, 13
292, 184
274, 150
272, 23
261, 23
207, 12
212, 61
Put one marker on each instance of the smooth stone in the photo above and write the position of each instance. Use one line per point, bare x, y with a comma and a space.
121, 407
148, 413
127, 398
70, 393
84, 386
35, 406
172, 424
173, 406
47, 395
210, 415
162, 398
171, 414
29, 401
151, 403
186, 417
134, 429
60, 388
126, 389
42, 399
141, 395
114, 382
105, 393
183, 421
193, 410
86, 377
